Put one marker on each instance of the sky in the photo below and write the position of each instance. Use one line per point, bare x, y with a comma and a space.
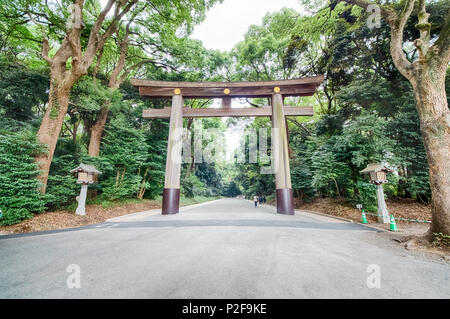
225, 25
227, 22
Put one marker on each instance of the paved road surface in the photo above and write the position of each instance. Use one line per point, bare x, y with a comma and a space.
222, 249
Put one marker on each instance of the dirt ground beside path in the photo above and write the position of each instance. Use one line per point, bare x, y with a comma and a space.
95, 214
65, 219
406, 209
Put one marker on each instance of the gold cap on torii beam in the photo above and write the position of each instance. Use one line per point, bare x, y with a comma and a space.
276, 89
177, 91
226, 91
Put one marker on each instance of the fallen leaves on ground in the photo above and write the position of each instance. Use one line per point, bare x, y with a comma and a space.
64, 219
407, 209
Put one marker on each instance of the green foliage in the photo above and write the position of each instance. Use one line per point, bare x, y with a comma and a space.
88, 95
232, 190
123, 153
210, 176
326, 169
13, 216
123, 145
440, 240
366, 196
262, 55
21, 89
19, 187
124, 187
391, 188
192, 186
61, 186
61, 190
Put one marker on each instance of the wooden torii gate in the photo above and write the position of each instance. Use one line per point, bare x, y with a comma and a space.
275, 90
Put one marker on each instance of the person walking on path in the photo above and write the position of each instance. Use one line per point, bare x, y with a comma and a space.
255, 199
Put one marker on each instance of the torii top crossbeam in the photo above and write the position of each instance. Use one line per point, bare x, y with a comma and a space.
294, 87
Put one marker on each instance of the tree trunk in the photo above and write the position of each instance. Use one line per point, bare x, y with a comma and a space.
63, 78
51, 127
117, 176
74, 133
95, 139
431, 101
337, 187
97, 131
142, 188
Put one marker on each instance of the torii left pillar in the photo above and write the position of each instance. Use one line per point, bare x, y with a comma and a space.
171, 192
284, 196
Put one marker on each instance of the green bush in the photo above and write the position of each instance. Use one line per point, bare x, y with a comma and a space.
61, 190
391, 187
232, 190
366, 196
14, 215
128, 187
440, 240
192, 186
19, 187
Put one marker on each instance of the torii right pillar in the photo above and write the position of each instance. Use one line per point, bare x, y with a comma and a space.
285, 198
171, 191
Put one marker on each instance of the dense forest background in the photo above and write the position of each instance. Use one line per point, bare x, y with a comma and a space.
364, 111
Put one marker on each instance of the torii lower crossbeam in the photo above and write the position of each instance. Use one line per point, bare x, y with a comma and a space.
228, 112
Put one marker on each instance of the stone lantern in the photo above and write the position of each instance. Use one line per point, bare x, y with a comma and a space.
85, 176
377, 173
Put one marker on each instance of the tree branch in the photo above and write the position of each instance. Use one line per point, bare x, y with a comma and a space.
423, 43
114, 82
396, 46
397, 24
439, 52
45, 50
252, 104
113, 26
387, 12
300, 125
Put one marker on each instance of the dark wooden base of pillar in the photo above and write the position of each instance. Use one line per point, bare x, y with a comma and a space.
171, 201
285, 201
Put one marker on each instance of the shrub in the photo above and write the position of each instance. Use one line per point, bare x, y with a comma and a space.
391, 188
19, 187
61, 190
440, 240
367, 196
192, 186
123, 188
61, 186
14, 215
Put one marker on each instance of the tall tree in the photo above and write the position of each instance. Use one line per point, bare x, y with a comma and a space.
426, 73
78, 35
69, 63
